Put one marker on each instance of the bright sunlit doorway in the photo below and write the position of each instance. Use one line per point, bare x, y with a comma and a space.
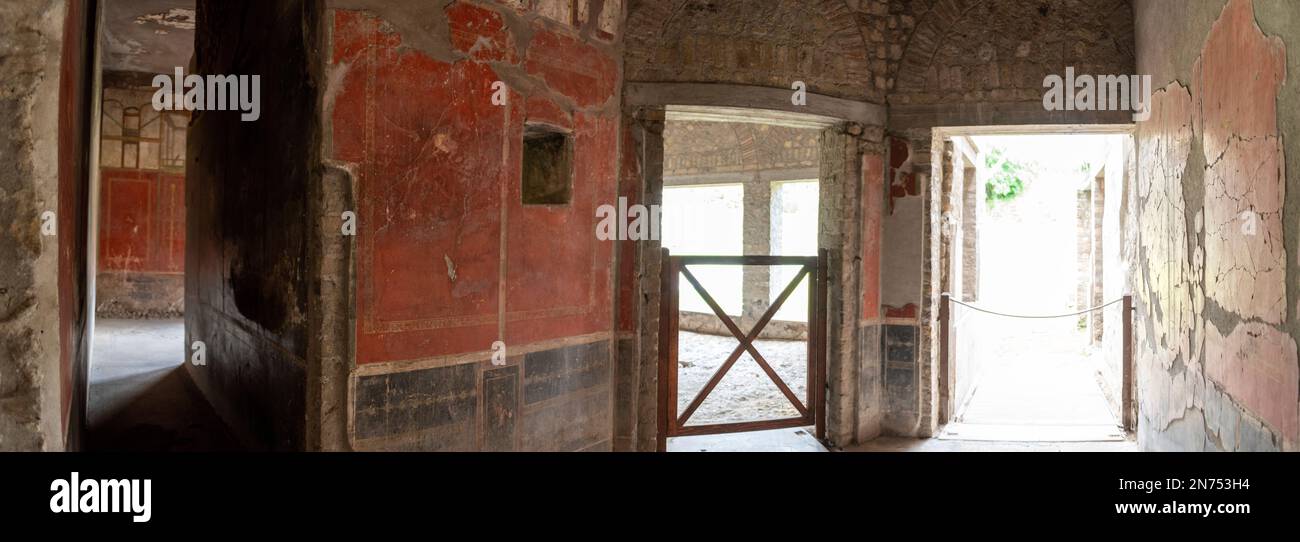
1033, 239
741, 185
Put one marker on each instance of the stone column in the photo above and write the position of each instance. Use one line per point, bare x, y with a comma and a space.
970, 234
1083, 252
1098, 210
757, 239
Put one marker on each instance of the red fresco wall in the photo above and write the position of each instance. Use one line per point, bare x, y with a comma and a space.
449, 259
873, 208
902, 184
142, 221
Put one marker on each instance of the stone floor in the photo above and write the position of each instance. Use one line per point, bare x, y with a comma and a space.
900, 444
1033, 382
798, 439
141, 398
801, 440
1036, 381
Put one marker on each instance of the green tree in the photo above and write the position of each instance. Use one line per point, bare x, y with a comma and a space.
1006, 179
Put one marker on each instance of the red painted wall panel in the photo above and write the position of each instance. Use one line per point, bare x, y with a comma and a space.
558, 273
449, 258
873, 209
142, 221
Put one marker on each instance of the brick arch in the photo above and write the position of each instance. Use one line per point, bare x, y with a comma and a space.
691, 138
966, 49
920, 50
750, 42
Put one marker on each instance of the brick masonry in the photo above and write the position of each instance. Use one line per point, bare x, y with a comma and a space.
40, 317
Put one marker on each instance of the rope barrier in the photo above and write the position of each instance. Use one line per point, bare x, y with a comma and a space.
1044, 316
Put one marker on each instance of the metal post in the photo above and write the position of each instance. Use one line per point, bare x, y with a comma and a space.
1126, 404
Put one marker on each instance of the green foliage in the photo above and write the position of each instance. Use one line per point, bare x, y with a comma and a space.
1006, 180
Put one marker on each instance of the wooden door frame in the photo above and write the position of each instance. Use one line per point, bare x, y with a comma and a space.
812, 410
646, 108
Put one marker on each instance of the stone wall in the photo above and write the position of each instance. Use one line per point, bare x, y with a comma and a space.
982, 62
1096, 276
1211, 227
1083, 239
35, 369
756, 42
963, 51
703, 148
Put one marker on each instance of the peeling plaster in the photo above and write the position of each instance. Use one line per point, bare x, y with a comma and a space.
1236, 84
1213, 294
1171, 276
181, 18
1256, 364
451, 267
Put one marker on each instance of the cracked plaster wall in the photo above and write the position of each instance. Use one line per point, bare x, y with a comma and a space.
1211, 227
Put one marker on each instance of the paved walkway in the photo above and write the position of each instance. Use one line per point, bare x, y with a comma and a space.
899, 444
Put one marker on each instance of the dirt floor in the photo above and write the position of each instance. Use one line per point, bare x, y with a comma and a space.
746, 393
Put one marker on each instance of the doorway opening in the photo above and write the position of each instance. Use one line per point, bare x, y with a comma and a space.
743, 187
139, 397
1035, 300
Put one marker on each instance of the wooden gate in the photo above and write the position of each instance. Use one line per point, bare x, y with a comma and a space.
811, 408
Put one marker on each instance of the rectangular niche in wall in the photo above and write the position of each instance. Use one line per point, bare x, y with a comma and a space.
548, 165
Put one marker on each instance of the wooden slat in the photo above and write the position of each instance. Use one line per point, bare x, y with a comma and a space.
814, 413
739, 427
810, 379
746, 343
674, 302
746, 260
